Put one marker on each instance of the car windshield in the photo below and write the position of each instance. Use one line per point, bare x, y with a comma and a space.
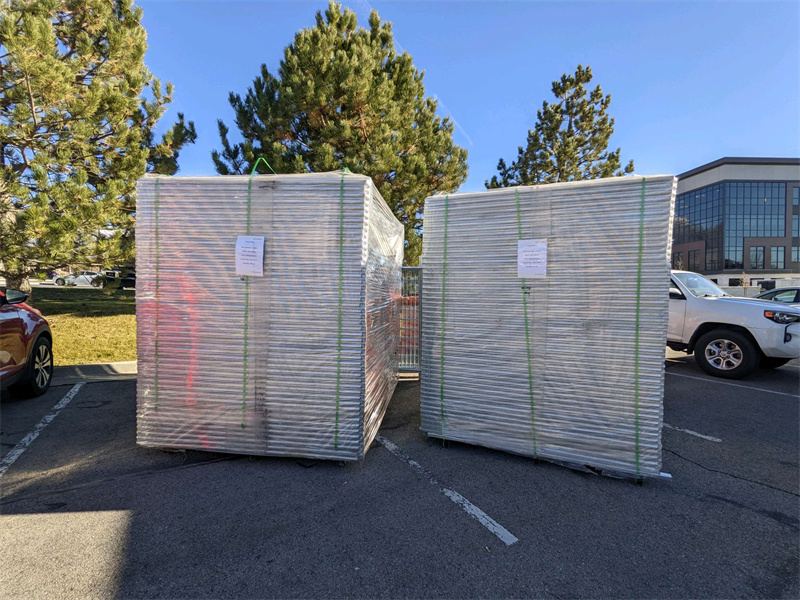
698, 285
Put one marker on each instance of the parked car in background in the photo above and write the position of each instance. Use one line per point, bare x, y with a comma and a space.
82, 278
129, 281
103, 278
114, 279
787, 295
729, 336
26, 346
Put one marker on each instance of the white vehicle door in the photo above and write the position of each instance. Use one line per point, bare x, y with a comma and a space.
677, 312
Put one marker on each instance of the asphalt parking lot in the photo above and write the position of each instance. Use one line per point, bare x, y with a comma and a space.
87, 513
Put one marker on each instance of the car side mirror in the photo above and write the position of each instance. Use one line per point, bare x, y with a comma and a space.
15, 297
676, 296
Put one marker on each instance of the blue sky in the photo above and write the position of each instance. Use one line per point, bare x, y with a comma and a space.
690, 81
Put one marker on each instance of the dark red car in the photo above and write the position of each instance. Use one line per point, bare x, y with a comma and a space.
26, 346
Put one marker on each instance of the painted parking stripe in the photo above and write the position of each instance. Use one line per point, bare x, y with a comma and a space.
747, 387
17, 450
694, 433
468, 507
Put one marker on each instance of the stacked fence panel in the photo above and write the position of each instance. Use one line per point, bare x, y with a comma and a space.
292, 363
410, 320
567, 365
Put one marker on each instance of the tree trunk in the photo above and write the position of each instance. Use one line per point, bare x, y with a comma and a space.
21, 283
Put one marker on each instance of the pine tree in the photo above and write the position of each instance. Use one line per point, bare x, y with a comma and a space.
77, 112
163, 156
569, 141
343, 97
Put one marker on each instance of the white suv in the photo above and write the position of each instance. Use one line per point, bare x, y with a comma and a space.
729, 336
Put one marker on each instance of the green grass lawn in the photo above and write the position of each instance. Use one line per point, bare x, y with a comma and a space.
89, 325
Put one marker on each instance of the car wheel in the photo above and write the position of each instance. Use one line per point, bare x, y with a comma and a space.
60, 282
726, 353
773, 363
40, 370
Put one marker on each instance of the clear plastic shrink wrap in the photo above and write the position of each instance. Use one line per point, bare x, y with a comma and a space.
301, 361
567, 363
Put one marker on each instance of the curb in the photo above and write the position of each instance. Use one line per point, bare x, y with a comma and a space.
115, 371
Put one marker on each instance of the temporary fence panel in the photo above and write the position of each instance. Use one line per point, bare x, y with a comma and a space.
544, 317
409, 320
297, 358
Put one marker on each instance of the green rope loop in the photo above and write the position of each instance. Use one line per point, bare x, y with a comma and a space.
261, 159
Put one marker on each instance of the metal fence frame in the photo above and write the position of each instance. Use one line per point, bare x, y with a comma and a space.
410, 320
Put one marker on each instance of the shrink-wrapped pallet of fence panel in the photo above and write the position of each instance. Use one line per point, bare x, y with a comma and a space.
544, 319
267, 313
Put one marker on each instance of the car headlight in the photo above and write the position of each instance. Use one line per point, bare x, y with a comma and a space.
783, 318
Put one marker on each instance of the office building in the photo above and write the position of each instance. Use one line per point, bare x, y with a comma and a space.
738, 215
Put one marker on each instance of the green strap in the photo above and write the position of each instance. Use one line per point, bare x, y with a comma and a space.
246, 306
636, 342
527, 335
158, 296
246, 332
261, 159
444, 287
339, 334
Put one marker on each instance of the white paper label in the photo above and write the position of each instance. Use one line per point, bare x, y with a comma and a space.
250, 255
532, 259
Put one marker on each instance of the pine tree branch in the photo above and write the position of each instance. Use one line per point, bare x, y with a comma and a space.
32, 105
362, 123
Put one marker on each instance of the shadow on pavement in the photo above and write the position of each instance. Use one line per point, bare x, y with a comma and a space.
126, 521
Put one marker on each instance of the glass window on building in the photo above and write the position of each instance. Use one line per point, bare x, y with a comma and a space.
692, 260
723, 215
712, 259
756, 257
752, 209
795, 253
699, 217
777, 257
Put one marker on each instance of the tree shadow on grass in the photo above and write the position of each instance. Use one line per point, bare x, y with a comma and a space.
85, 302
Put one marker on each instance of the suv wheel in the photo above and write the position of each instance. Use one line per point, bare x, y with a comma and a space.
40, 370
60, 282
726, 353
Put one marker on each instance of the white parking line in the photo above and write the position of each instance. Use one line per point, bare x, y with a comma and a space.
17, 450
468, 507
723, 382
694, 433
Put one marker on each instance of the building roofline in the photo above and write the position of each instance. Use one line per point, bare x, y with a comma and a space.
739, 160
